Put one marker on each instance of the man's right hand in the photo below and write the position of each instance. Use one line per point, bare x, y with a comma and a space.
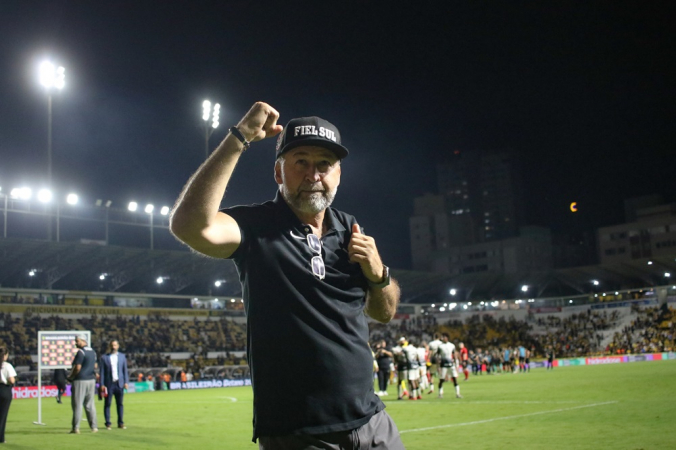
260, 122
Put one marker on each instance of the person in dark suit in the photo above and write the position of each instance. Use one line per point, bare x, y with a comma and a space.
114, 380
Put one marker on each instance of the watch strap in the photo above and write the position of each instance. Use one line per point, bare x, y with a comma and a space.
385, 281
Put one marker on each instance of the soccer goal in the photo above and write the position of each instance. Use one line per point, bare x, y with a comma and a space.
56, 350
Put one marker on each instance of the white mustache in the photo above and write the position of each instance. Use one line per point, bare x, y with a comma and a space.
313, 189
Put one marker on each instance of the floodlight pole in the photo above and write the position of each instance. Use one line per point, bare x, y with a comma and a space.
107, 238
58, 220
49, 160
4, 229
152, 240
207, 134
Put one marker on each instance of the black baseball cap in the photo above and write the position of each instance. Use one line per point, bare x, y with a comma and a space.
310, 131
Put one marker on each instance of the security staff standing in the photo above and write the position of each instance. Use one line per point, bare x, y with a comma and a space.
83, 379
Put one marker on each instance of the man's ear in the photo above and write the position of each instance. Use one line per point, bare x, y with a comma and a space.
278, 171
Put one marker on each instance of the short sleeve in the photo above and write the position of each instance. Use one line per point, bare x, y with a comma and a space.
79, 357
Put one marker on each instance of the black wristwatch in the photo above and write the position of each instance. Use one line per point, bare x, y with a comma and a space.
385, 281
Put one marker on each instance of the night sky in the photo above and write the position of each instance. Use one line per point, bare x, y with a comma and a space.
582, 92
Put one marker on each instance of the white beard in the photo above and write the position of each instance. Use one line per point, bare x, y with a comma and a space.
309, 204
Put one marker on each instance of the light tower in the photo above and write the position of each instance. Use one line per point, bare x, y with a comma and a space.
209, 114
51, 77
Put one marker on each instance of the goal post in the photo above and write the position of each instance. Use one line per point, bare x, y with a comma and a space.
56, 350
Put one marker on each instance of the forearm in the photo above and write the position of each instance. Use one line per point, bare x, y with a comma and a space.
73, 373
199, 202
381, 304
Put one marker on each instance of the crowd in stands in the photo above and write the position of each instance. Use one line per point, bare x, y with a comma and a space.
652, 331
147, 340
141, 339
577, 335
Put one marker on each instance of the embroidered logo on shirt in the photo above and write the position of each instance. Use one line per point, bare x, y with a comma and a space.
294, 235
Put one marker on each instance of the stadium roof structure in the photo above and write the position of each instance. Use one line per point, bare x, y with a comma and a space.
78, 266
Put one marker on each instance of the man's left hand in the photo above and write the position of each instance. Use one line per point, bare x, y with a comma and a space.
362, 250
126, 386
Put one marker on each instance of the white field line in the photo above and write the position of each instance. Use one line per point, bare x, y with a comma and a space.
477, 422
213, 400
485, 402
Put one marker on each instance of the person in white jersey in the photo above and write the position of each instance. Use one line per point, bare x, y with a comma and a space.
434, 360
422, 360
402, 367
448, 362
413, 370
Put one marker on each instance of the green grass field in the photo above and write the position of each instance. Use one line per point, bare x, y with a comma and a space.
620, 406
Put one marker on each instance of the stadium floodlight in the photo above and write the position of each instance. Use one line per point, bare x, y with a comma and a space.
22, 193
595, 282
453, 291
160, 280
667, 274
72, 199
213, 115
102, 276
206, 109
44, 196
218, 283
164, 211
31, 273
149, 208
464, 306
52, 76
650, 263
133, 206
524, 288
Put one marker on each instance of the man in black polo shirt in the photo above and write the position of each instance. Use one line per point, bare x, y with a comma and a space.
83, 379
308, 275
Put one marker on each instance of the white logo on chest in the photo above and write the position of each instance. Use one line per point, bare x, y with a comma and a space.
294, 235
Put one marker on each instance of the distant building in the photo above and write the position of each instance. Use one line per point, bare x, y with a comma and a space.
475, 222
574, 250
530, 252
651, 234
